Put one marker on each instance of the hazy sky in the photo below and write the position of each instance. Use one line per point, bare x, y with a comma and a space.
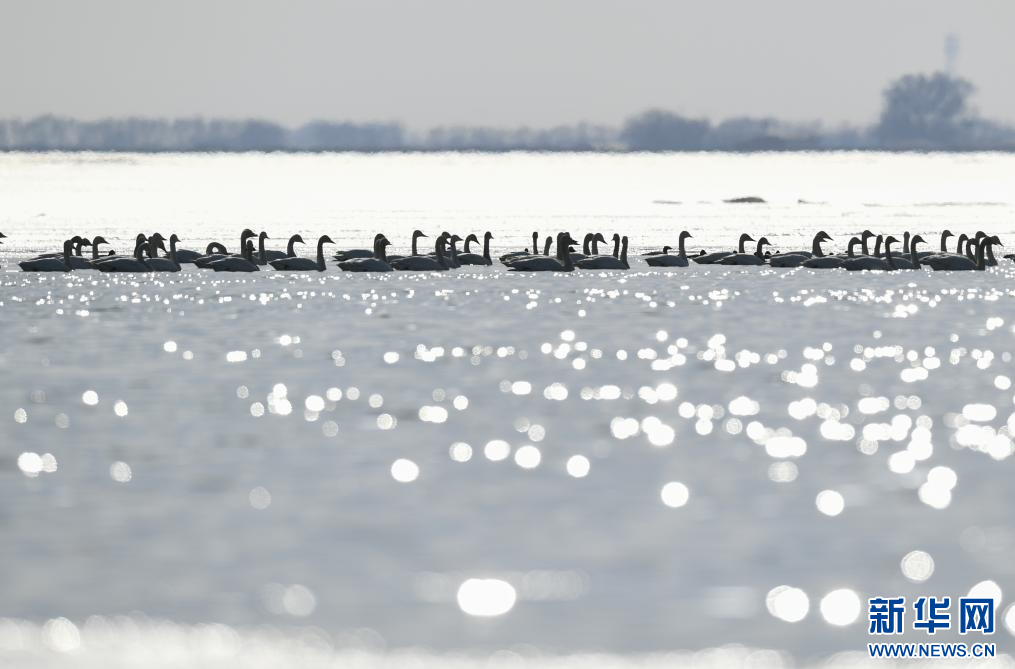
536, 62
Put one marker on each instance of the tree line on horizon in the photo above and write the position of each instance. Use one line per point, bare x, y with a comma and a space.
919, 112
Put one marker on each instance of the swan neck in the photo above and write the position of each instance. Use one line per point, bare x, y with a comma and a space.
320, 255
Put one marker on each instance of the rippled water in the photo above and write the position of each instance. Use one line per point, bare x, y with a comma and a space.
488, 467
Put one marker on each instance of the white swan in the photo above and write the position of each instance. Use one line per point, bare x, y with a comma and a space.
955, 262
797, 258
873, 263
50, 264
207, 259
245, 263
419, 263
756, 258
134, 264
545, 254
467, 258
831, 262
913, 261
665, 259
561, 263
712, 258
290, 250
294, 264
352, 254
138, 241
169, 264
416, 234
376, 263
526, 252
607, 262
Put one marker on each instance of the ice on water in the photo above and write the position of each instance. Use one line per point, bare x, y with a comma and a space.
712, 466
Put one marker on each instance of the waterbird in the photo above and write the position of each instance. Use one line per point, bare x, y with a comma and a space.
292, 263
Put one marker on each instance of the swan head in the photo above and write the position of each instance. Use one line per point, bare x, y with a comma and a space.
416, 234
980, 234
994, 239
914, 240
84, 241
325, 239
945, 234
823, 236
599, 238
472, 238
155, 236
684, 234
616, 237
297, 239
99, 240
2, 235
487, 235
746, 238
866, 234
173, 238
890, 240
666, 249
764, 242
454, 238
263, 236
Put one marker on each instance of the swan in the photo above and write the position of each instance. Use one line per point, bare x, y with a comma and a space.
546, 253
467, 258
756, 258
376, 263
50, 264
168, 264
664, 259
290, 251
561, 263
913, 262
712, 258
419, 263
965, 249
96, 241
187, 256
352, 254
452, 258
830, 262
873, 262
76, 242
133, 264
416, 234
797, 258
864, 236
292, 263
586, 248
262, 253
526, 252
207, 259
77, 261
607, 262
956, 262
138, 241
232, 263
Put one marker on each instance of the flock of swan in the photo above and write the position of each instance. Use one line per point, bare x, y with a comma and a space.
971, 253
